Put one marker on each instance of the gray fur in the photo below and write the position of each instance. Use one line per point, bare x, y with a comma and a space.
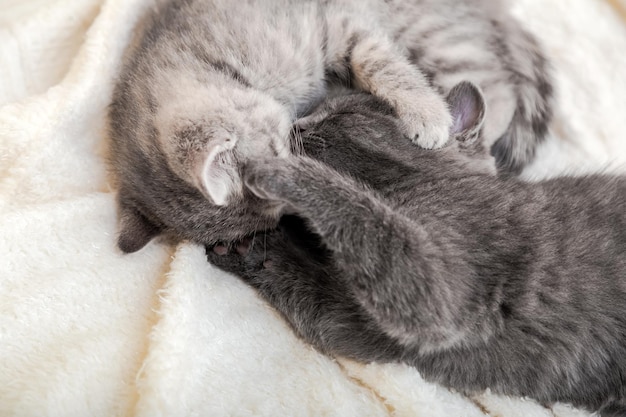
210, 84
425, 258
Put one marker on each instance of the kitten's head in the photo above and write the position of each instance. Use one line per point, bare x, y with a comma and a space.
365, 134
207, 133
179, 172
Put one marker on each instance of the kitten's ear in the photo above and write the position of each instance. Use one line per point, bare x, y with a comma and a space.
467, 107
135, 230
216, 173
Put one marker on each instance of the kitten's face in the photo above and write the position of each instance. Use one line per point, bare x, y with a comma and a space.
360, 135
207, 140
189, 185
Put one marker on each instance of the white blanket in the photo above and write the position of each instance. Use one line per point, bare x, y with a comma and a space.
86, 331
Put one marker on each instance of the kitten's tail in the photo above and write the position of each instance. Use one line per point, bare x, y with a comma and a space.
531, 74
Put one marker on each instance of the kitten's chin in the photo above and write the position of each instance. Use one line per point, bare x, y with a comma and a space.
274, 210
288, 210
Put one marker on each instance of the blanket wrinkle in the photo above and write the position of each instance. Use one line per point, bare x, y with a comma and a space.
44, 43
391, 410
88, 331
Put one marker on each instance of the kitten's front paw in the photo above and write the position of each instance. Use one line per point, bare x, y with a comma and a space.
227, 260
425, 119
267, 178
233, 258
249, 259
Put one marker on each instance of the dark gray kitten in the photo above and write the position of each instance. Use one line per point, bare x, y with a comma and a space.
209, 85
426, 258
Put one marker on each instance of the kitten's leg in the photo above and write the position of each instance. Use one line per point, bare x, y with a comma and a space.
376, 66
404, 277
299, 280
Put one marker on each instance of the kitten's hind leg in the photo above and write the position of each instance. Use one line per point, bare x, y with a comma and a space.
401, 275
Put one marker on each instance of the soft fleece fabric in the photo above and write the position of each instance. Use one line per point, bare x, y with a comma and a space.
86, 331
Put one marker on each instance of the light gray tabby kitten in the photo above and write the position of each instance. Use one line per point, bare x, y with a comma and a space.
426, 258
211, 84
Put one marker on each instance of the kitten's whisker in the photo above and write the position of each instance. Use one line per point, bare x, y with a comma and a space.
295, 147
298, 142
258, 225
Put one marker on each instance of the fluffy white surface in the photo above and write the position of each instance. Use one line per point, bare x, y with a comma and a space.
86, 331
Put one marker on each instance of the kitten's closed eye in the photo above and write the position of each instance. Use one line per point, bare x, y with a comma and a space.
315, 142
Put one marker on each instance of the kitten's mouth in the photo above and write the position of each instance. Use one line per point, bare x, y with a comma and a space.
273, 211
278, 209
